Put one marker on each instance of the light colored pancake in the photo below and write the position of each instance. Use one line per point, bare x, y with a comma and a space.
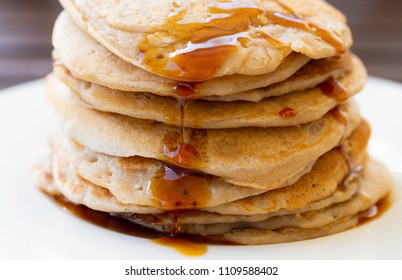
375, 185
311, 75
80, 191
90, 61
128, 179
42, 171
308, 105
321, 182
251, 157
202, 217
254, 236
329, 172
330, 181
132, 29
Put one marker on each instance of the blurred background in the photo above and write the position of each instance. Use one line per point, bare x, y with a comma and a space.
26, 26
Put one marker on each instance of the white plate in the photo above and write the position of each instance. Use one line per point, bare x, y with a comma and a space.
33, 227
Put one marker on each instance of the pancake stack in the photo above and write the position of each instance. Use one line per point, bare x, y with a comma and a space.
231, 120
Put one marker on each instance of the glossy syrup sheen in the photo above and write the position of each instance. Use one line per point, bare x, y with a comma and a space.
334, 89
354, 170
339, 115
376, 210
194, 51
205, 45
183, 246
294, 21
179, 189
287, 112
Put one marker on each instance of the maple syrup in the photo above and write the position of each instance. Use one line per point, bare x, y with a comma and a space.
200, 49
193, 52
334, 89
292, 19
339, 115
180, 189
376, 210
287, 112
204, 46
182, 245
354, 170
114, 223
106, 220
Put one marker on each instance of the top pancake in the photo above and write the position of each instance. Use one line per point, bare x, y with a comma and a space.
200, 40
92, 62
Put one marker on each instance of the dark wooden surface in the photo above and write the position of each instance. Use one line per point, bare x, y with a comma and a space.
26, 25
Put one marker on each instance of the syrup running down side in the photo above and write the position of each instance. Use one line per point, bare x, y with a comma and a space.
376, 210
354, 170
207, 45
334, 89
179, 189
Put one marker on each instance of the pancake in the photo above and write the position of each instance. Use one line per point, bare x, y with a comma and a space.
313, 74
307, 106
90, 61
322, 181
342, 194
42, 172
286, 228
173, 39
255, 236
80, 191
375, 185
130, 179
251, 157
222, 120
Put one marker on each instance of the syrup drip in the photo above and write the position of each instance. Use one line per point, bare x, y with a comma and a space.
353, 170
376, 210
339, 116
193, 52
285, 7
287, 112
183, 246
334, 89
271, 39
176, 187
174, 224
346, 156
180, 189
292, 19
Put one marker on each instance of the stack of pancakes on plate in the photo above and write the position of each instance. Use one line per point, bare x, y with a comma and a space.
231, 120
